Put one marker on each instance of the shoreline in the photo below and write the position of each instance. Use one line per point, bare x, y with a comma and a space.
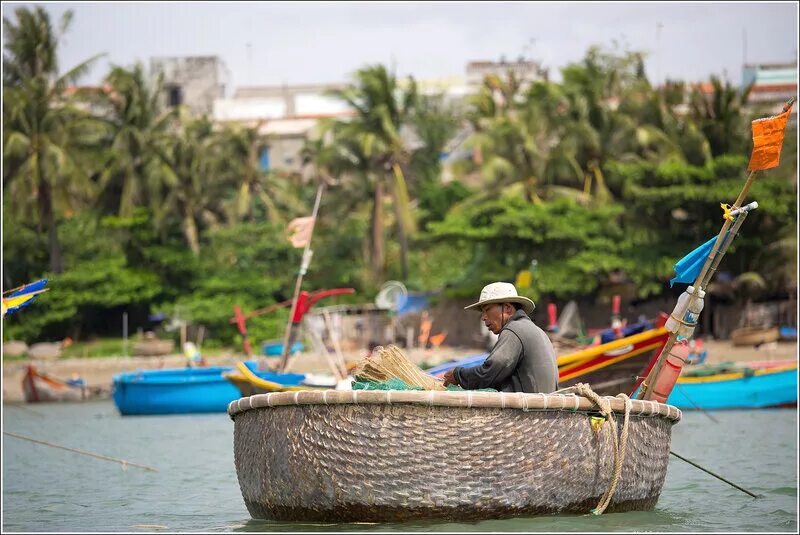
98, 371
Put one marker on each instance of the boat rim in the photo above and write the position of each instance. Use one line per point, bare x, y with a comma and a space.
567, 402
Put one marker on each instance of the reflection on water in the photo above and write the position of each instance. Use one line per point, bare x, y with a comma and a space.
195, 488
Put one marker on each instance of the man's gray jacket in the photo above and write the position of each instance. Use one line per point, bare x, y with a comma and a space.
522, 360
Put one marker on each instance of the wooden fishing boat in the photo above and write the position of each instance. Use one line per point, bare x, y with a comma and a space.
753, 336
610, 368
40, 387
153, 347
374, 456
731, 386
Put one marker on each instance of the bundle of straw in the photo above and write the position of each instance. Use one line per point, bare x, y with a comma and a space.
390, 363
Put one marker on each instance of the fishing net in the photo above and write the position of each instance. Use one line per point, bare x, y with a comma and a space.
386, 363
399, 384
389, 369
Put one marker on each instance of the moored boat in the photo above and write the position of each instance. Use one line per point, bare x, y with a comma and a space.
753, 336
173, 391
41, 387
249, 381
193, 390
373, 456
737, 387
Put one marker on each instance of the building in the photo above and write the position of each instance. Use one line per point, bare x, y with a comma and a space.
773, 85
525, 71
288, 115
195, 81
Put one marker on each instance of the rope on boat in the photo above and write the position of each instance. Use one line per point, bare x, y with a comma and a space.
619, 443
123, 462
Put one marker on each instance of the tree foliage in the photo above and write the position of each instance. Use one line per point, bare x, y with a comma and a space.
128, 207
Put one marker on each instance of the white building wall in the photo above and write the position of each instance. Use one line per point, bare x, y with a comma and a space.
231, 109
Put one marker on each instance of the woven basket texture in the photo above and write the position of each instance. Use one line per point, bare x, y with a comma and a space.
375, 462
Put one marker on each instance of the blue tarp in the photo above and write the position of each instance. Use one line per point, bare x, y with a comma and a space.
413, 303
608, 335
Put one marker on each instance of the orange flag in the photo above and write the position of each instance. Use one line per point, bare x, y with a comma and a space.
299, 231
768, 140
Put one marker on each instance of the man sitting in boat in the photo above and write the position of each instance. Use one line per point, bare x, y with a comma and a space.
523, 359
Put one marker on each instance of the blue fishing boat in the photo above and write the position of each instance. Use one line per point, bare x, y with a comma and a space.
185, 390
173, 391
738, 387
273, 349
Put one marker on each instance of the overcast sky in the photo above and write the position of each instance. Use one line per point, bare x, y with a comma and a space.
308, 42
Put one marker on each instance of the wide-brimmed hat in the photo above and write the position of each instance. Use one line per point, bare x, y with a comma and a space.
502, 292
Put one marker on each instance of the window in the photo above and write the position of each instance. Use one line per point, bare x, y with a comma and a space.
174, 96
264, 158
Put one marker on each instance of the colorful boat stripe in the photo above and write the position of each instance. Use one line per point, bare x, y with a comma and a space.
734, 375
597, 364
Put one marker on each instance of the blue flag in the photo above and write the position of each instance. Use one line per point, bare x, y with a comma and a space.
23, 296
688, 268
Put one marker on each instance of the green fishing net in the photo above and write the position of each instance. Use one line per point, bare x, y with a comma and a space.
399, 384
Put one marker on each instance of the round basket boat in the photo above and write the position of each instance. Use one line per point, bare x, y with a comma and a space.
374, 456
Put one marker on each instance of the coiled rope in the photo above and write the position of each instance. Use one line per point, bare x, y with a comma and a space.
604, 405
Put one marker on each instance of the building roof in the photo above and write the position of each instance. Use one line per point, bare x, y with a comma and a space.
766, 88
768, 66
258, 91
72, 89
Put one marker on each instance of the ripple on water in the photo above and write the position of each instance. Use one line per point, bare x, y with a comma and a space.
196, 488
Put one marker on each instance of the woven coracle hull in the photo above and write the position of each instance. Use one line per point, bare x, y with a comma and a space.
389, 456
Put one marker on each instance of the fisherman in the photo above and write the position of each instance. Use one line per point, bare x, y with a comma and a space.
523, 360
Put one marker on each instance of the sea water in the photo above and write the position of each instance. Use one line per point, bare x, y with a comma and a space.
195, 486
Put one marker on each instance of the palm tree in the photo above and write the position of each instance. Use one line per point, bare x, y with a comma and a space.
192, 191
239, 165
382, 109
434, 123
133, 170
338, 158
522, 137
41, 124
722, 118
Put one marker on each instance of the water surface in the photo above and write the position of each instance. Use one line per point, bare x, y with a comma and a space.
195, 488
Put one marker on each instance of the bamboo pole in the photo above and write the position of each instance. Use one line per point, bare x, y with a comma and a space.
644, 391
732, 234
303, 267
123, 462
340, 364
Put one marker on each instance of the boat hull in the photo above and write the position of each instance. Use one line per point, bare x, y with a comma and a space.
322, 456
753, 336
764, 388
38, 387
173, 391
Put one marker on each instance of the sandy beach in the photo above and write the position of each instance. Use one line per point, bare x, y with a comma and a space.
99, 371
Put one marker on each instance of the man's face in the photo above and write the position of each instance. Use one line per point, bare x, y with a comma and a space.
493, 316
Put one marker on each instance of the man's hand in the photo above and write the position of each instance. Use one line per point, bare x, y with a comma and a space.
449, 378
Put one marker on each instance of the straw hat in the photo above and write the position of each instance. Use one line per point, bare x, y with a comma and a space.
502, 292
